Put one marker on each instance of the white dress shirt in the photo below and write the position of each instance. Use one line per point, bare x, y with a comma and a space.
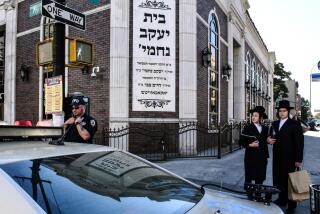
282, 121
259, 127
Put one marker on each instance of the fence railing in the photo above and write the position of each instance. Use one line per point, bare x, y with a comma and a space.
189, 140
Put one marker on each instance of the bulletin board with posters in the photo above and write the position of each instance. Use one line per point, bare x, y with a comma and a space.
53, 95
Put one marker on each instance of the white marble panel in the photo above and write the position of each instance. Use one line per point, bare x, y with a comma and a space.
10, 66
119, 62
120, 11
188, 61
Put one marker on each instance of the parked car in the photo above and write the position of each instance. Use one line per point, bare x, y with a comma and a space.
37, 177
317, 122
304, 125
312, 125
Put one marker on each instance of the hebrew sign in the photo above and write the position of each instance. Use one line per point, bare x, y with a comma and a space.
153, 64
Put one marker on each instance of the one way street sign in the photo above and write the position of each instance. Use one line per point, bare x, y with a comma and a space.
63, 14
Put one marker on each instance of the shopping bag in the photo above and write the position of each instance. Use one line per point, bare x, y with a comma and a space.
298, 185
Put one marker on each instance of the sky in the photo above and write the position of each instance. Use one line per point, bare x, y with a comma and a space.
291, 28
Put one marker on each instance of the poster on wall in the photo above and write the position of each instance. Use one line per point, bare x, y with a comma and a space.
154, 56
53, 95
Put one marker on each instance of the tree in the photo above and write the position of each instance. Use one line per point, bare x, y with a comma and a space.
305, 109
280, 76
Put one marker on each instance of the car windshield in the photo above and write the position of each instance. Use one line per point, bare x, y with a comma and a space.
102, 182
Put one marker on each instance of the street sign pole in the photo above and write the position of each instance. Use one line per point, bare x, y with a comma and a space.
56, 9
59, 50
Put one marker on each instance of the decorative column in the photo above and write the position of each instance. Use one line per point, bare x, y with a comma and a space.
230, 62
187, 70
10, 61
119, 64
239, 84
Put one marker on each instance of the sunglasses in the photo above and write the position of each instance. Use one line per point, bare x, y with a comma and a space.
75, 107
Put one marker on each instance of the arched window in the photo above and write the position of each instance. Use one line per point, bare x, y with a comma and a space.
265, 84
253, 73
258, 77
254, 83
247, 68
213, 71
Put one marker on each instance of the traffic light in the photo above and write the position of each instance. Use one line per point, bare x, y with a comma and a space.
80, 52
45, 53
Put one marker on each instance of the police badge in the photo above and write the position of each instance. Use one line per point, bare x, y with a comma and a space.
93, 123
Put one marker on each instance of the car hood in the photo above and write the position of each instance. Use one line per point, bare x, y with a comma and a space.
228, 203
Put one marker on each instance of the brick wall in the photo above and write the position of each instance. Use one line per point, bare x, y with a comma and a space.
203, 9
205, 6
27, 93
97, 32
223, 85
24, 21
202, 75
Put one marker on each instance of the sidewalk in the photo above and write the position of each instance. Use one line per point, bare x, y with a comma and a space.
229, 171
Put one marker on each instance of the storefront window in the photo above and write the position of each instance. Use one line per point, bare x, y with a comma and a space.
213, 73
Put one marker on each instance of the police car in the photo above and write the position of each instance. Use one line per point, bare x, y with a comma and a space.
39, 177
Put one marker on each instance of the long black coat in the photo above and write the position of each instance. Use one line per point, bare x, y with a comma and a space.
287, 150
255, 159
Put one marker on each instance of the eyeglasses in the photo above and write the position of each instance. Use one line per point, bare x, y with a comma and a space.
75, 107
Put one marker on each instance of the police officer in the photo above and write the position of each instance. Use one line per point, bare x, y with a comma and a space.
80, 127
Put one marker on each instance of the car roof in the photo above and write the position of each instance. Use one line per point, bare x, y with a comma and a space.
14, 151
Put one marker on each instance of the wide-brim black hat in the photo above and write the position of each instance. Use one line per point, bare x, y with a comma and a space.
261, 110
284, 104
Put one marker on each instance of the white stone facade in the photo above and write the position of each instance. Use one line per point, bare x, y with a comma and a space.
241, 32
8, 17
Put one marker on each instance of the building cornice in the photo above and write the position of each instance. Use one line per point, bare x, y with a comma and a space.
222, 6
251, 26
235, 18
246, 4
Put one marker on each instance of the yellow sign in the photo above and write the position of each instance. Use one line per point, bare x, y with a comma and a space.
53, 95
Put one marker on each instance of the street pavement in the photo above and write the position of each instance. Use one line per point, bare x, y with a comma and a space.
229, 171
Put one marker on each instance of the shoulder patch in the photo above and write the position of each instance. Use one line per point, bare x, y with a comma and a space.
93, 123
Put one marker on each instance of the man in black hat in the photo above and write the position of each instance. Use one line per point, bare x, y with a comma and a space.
288, 141
80, 127
254, 139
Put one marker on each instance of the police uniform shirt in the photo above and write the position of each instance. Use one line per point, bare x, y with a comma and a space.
88, 123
